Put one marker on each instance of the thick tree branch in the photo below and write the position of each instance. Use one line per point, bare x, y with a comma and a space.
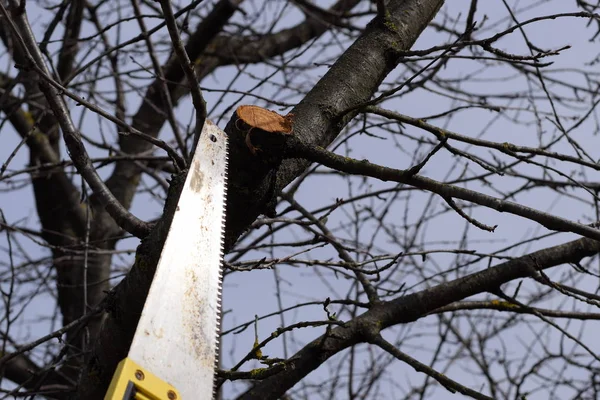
413, 306
27, 374
246, 50
351, 81
63, 191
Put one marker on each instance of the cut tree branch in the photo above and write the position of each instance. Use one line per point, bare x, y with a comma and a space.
447, 191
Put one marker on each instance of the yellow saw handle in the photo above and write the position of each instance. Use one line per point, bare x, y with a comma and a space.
132, 382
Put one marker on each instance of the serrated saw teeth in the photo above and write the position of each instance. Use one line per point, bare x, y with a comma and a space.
177, 337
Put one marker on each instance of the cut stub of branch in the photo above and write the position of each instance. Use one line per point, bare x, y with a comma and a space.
253, 175
260, 122
264, 119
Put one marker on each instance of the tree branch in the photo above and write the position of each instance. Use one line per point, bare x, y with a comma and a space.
20, 25
351, 81
411, 307
447, 191
187, 67
252, 181
451, 385
151, 115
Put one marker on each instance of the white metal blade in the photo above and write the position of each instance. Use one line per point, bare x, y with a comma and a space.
177, 335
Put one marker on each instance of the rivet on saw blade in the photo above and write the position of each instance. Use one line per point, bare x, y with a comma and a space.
139, 375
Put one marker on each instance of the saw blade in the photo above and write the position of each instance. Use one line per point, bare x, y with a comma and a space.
177, 335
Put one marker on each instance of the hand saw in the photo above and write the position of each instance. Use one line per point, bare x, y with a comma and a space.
174, 351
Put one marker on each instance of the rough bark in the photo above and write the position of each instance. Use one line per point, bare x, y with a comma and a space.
351, 81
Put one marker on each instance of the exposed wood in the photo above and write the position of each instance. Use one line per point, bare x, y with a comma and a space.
266, 120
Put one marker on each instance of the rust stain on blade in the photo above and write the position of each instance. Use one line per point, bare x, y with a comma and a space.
197, 177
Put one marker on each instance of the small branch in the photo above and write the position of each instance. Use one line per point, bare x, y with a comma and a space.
344, 255
188, 68
449, 384
24, 35
277, 333
56, 334
562, 330
409, 308
417, 168
297, 149
506, 306
473, 221
160, 78
179, 162
506, 148
255, 374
